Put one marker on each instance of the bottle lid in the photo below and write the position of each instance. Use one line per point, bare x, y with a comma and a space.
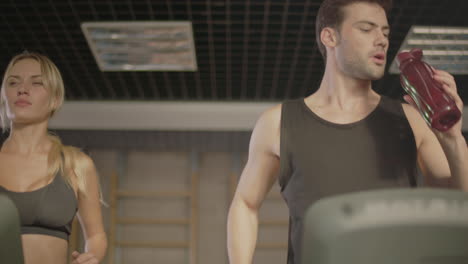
417, 53
402, 56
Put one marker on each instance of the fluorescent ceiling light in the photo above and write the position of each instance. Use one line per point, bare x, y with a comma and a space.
142, 46
445, 48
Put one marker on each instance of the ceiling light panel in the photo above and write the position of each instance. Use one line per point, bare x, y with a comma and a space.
142, 46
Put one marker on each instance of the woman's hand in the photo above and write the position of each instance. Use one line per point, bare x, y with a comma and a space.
84, 258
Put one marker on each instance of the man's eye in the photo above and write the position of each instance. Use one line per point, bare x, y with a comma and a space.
12, 83
365, 29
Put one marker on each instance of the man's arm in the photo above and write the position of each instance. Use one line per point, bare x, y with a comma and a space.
256, 181
442, 156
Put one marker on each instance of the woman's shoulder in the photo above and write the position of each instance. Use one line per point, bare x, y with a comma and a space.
81, 166
78, 156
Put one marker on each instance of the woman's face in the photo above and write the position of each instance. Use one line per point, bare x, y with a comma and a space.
27, 99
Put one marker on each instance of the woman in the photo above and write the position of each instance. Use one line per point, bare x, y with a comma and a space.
50, 183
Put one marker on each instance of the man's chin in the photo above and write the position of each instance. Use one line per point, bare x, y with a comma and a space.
371, 77
376, 76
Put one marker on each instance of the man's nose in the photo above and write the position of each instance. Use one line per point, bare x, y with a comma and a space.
381, 39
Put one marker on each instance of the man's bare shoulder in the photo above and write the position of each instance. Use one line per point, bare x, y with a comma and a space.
271, 116
266, 134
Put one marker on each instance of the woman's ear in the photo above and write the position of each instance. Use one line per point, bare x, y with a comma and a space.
53, 106
329, 37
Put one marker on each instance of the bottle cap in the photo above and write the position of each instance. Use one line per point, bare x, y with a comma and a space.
414, 53
402, 56
417, 53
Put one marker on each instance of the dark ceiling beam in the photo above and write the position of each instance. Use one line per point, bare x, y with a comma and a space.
199, 93
292, 68
228, 51
261, 60
211, 52
245, 51
120, 79
279, 51
78, 57
152, 81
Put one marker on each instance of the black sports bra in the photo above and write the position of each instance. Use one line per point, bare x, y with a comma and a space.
49, 210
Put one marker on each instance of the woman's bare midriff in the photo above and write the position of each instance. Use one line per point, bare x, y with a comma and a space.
40, 249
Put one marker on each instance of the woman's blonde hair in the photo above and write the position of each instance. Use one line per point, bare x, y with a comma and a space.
64, 159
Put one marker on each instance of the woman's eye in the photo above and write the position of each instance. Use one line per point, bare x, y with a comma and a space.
12, 83
37, 83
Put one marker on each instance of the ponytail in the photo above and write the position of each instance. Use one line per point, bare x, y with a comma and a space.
66, 161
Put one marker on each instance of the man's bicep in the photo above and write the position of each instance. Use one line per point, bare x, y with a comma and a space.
257, 178
262, 166
431, 157
433, 162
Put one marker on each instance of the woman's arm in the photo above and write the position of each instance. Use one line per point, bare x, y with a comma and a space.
90, 216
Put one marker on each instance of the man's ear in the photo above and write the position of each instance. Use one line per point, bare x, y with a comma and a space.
329, 37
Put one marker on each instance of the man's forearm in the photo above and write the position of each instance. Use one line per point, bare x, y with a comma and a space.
242, 233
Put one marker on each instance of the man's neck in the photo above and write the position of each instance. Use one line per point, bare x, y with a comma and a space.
342, 99
343, 92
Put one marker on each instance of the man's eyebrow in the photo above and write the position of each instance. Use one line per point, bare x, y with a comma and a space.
371, 23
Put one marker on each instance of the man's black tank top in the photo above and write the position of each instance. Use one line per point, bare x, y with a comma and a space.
319, 158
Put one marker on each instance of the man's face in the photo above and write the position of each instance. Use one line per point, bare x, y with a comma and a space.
363, 41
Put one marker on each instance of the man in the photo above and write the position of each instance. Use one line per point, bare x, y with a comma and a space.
344, 137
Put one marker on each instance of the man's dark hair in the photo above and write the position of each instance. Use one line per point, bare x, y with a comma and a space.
331, 14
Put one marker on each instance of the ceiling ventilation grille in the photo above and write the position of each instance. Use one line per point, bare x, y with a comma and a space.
445, 48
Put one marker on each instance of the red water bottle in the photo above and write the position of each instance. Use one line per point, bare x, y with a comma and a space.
437, 107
